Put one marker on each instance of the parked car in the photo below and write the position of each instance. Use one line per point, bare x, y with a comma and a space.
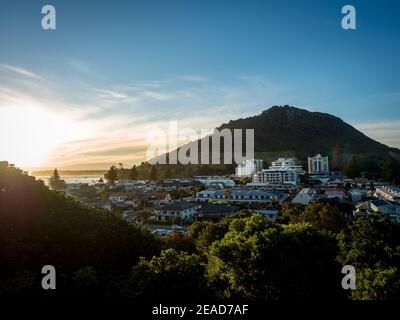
161, 232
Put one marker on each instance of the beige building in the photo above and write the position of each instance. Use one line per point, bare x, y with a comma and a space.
318, 165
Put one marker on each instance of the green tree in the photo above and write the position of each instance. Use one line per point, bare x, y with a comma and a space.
153, 173
85, 282
390, 169
290, 212
195, 228
372, 241
112, 174
322, 217
353, 167
180, 242
168, 173
55, 181
213, 231
265, 261
245, 180
172, 276
190, 171
133, 174
377, 284
38, 225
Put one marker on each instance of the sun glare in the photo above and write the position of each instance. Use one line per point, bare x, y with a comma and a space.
28, 133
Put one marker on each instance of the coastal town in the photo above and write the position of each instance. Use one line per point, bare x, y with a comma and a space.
170, 205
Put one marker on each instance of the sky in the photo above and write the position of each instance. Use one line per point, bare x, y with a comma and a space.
86, 94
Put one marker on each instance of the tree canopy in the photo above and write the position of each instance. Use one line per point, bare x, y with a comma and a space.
55, 181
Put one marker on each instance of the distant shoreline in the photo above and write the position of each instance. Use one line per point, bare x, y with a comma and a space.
66, 173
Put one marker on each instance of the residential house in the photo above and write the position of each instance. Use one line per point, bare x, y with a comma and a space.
378, 206
305, 196
176, 211
336, 193
118, 197
270, 215
214, 211
357, 195
390, 193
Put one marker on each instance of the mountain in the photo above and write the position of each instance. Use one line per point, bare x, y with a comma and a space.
298, 132
285, 131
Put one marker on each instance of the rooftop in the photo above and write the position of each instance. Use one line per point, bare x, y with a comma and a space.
178, 206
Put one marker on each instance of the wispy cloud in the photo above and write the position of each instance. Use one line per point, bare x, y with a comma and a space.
110, 94
113, 119
158, 95
148, 83
192, 77
20, 71
387, 132
79, 65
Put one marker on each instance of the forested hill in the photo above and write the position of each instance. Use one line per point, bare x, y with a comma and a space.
285, 131
241, 258
290, 129
42, 227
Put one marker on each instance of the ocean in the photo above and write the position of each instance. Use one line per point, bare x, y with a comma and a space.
74, 179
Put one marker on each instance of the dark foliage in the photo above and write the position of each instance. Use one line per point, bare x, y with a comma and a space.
41, 227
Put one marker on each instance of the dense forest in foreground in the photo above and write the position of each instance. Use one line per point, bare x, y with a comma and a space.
99, 255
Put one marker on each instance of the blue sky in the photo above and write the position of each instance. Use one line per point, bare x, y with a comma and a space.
113, 69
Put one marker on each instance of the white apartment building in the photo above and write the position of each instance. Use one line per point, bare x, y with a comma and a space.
249, 196
247, 168
216, 181
278, 178
318, 165
176, 211
289, 163
390, 193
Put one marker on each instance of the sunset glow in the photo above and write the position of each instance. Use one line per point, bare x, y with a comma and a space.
29, 133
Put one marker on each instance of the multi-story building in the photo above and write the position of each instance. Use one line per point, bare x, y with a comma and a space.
390, 193
289, 163
247, 168
318, 165
279, 178
207, 195
249, 196
216, 181
176, 211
